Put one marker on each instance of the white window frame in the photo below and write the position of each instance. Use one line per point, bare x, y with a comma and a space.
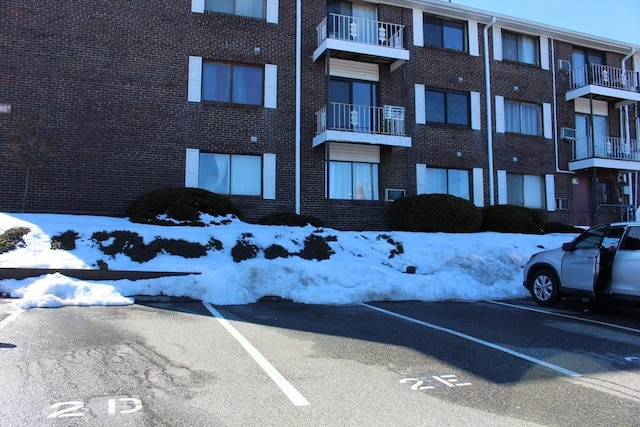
476, 184
270, 84
192, 169
271, 12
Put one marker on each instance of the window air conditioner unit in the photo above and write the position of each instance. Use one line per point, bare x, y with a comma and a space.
564, 65
393, 194
568, 134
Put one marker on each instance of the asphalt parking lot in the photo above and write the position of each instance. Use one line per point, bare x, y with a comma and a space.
180, 362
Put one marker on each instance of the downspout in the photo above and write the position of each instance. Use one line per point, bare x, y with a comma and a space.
555, 108
298, 103
488, 96
627, 130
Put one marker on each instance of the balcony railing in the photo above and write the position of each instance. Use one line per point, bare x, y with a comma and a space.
361, 30
602, 75
386, 120
606, 148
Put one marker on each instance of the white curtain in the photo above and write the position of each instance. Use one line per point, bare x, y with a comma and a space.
512, 116
527, 49
340, 180
253, 8
365, 181
533, 192
530, 119
365, 16
213, 172
436, 181
459, 183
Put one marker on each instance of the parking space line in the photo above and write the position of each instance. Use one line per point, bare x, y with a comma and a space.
10, 318
478, 341
294, 395
568, 316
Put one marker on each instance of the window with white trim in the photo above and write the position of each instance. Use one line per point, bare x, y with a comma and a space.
353, 180
234, 83
251, 8
455, 182
447, 107
233, 174
526, 190
445, 33
520, 48
522, 117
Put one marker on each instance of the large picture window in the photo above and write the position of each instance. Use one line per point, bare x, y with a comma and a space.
444, 33
522, 117
252, 8
353, 180
237, 84
232, 174
520, 48
525, 190
455, 182
447, 107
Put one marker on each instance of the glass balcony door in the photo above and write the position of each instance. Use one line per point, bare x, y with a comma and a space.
584, 144
356, 21
351, 105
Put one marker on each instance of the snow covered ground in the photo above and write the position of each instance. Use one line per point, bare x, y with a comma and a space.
449, 267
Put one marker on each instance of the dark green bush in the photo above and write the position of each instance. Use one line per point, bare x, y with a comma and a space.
244, 250
12, 238
435, 212
65, 241
290, 219
513, 219
316, 247
132, 245
276, 251
182, 206
180, 247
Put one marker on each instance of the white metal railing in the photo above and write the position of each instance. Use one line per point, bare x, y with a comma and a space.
361, 30
386, 120
602, 75
609, 148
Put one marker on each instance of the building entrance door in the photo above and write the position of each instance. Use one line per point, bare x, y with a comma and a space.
582, 205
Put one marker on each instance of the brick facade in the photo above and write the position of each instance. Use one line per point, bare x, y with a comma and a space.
109, 81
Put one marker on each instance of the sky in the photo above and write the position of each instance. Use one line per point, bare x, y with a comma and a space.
449, 267
612, 19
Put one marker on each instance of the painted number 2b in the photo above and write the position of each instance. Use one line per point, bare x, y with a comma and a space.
114, 405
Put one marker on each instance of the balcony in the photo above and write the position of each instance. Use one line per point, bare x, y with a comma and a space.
604, 82
358, 38
608, 152
362, 124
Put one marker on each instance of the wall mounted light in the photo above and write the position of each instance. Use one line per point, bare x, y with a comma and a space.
257, 50
514, 159
254, 139
458, 154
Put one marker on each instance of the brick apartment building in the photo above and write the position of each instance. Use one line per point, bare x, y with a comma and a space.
325, 108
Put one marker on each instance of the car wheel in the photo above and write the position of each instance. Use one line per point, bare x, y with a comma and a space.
544, 287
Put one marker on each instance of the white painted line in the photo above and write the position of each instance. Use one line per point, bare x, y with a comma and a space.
478, 341
293, 394
10, 318
581, 319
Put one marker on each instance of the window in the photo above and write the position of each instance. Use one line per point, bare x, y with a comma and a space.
520, 48
525, 190
238, 84
252, 8
447, 107
350, 105
632, 241
605, 192
454, 182
522, 117
230, 174
443, 33
353, 180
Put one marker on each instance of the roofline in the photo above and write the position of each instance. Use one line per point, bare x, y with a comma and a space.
453, 10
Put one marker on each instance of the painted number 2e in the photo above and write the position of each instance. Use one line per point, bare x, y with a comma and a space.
114, 405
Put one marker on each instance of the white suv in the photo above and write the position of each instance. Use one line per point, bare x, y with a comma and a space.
601, 263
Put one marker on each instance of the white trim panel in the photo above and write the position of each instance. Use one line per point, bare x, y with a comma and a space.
600, 108
354, 70
478, 187
197, 6
502, 187
421, 178
340, 151
270, 86
475, 111
192, 167
497, 43
550, 192
474, 46
418, 28
421, 113
269, 176
194, 91
546, 120
544, 52
500, 114
272, 11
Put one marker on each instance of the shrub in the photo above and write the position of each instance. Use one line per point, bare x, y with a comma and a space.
65, 241
180, 206
132, 245
512, 219
276, 251
316, 247
290, 219
244, 250
435, 212
180, 247
12, 238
